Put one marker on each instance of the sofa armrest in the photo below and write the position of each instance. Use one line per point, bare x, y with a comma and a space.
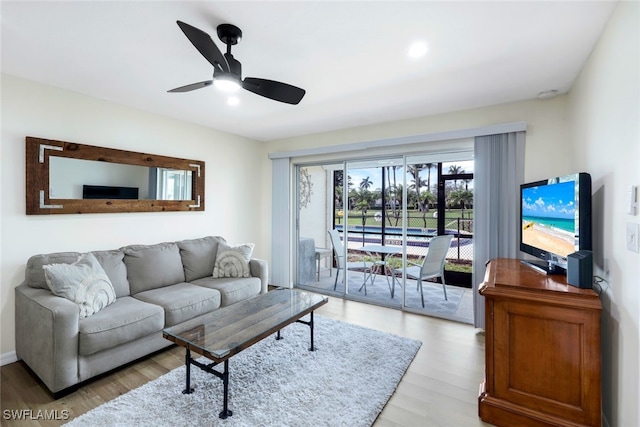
259, 269
47, 336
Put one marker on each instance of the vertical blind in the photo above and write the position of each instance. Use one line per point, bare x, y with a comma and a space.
499, 171
280, 268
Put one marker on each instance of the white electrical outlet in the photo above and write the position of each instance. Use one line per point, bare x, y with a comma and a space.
633, 230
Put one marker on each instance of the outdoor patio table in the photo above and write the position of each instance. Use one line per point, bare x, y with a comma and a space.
384, 251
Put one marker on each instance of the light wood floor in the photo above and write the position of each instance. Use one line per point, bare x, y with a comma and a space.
440, 387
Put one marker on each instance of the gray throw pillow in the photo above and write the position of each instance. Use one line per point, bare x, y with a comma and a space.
199, 256
153, 266
233, 261
84, 282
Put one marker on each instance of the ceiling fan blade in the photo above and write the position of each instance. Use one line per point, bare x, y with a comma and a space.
202, 41
192, 86
274, 90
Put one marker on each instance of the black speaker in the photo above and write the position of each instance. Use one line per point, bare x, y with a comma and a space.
580, 269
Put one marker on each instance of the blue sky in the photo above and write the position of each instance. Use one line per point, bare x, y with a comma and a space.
552, 201
375, 174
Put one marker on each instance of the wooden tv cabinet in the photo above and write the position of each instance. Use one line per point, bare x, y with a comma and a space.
542, 349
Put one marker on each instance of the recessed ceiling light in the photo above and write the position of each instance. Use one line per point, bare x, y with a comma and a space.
233, 100
417, 50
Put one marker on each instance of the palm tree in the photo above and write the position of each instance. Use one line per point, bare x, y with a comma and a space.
338, 191
455, 170
395, 196
428, 198
462, 198
414, 171
363, 206
366, 183
392, 195
429, 166
362, 196
466, 183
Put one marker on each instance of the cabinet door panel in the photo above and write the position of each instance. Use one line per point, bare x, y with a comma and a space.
541, 360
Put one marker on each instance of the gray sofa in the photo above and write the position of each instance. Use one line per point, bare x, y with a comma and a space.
156, 286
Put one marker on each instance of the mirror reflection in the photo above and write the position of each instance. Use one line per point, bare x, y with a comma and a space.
87, 179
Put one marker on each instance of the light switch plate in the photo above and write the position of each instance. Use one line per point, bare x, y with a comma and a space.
633, 230
632, 200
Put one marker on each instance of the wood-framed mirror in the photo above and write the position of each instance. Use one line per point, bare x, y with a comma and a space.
70, 178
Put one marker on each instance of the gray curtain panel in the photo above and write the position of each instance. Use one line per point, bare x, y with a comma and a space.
280, 270
499, 171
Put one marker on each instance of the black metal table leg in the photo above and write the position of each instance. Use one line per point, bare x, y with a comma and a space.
311, 326
224, 376
187, 362
225, 381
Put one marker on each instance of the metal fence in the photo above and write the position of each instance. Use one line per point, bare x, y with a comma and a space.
418, 235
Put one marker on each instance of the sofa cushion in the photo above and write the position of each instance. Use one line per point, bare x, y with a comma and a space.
84, 282
182, 301
111, 261
232, 290
125, 320
152, 266
34, 274
113, 264
233, 261
198, 256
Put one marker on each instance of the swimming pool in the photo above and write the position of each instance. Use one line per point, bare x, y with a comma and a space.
415, 236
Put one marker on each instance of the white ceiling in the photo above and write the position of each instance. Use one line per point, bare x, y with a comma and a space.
350, 56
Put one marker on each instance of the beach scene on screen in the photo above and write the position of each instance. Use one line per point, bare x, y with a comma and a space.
549, 217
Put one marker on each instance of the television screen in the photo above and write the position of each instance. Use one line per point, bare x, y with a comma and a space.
556, 219
109, 192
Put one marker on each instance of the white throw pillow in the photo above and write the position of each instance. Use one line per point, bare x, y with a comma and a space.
233, 261
84, 282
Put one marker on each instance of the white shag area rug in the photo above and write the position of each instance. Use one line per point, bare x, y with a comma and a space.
345, 382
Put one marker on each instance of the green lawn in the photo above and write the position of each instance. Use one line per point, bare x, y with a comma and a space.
415, 218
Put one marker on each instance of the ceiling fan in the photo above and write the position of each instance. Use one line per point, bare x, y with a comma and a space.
227, 71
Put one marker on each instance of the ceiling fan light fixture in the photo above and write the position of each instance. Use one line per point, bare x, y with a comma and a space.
226, 83
227, 71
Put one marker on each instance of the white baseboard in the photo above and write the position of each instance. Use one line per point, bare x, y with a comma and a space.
7, 358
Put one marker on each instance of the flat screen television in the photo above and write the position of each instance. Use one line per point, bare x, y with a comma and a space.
109, 192
555, 220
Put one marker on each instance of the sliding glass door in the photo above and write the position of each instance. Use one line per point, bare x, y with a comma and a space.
371, 229
439, 209
314, 205
364, 229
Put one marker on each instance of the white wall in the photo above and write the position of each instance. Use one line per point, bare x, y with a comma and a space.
604, 118
547, 147
233, 169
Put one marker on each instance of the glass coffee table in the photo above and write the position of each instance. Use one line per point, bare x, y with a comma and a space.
229, 330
